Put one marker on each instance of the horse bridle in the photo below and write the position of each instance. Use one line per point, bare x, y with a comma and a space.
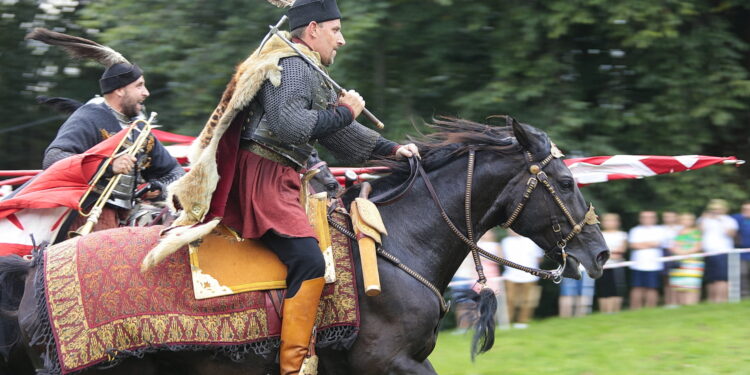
538, 175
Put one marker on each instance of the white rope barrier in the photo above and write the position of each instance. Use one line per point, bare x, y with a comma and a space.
623, 264
677, 257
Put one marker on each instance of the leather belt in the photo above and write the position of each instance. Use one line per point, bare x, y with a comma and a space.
267, 153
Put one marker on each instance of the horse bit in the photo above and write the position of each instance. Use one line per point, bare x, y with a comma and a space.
538, 175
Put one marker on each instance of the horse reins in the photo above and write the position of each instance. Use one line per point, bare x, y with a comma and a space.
538, 175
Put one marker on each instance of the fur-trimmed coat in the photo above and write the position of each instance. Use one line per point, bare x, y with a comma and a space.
195, 189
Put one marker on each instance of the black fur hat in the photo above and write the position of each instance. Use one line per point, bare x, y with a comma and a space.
119, 75
305, 11
119, 71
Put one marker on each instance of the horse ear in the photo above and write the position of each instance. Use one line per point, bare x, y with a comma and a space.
519, 131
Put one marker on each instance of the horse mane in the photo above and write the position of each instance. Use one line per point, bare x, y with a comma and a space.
451, 138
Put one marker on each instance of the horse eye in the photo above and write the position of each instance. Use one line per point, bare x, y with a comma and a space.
566, 184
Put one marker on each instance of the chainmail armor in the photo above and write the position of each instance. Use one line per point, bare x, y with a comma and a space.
290, 114
164, 181
54, 155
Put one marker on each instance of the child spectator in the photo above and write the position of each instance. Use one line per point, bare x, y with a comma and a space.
687, 277
611, 287
671, 226
576, 296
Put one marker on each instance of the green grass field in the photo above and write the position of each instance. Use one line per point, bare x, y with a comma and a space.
703, 339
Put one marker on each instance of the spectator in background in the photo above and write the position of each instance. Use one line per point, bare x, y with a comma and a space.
669, 222
686, 279
743, 242
466, 275
521, 288
645, 241
718, 235
611, 287
576, 296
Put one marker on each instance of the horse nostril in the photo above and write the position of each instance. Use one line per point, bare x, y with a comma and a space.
602, 257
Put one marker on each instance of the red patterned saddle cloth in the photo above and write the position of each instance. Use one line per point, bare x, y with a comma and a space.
101, 307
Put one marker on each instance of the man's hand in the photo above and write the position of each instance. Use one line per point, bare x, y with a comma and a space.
353, 100
123, 164
408, 151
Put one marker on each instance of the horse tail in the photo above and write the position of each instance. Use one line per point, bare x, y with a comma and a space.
484, 325
13, 271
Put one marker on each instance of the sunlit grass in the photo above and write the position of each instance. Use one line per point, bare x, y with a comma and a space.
703, 339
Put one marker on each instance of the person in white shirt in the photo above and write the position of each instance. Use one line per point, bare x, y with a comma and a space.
671, 226
611, 287
521, 287
645, 242
718, 230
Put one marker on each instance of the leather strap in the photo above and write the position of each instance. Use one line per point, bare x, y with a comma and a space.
394, 195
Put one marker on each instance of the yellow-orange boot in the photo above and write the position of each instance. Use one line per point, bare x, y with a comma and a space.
299, 313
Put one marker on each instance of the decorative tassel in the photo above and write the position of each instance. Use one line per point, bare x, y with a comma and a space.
310, 364
484, 334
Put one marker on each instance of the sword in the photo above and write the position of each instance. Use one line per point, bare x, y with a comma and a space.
275, 31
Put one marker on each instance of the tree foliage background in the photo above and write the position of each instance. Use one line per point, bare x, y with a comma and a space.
664, 77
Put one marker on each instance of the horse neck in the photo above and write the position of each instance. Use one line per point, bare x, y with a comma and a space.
417, 233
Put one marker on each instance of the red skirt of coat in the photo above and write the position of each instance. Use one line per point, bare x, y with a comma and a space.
265, 197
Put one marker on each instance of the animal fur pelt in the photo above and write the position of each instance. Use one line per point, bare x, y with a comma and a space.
78, 48
282, 3
195, 189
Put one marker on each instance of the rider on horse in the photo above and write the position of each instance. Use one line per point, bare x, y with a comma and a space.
246, 164
124, 89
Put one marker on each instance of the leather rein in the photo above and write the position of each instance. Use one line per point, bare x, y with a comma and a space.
538, 175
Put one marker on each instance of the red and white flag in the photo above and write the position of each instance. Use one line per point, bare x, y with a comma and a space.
41, 206
618, 167
599, 168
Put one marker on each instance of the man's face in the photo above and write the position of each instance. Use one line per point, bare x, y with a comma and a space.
669, 218
647, 218
325, 39
745, 210
133, 96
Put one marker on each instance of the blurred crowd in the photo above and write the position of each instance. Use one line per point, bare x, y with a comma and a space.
646, 280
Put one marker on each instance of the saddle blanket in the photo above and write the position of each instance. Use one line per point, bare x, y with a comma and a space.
101, 307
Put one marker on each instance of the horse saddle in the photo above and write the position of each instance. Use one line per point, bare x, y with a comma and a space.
223, 263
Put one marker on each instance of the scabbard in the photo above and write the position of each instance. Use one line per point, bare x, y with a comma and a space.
367, 256
369, 259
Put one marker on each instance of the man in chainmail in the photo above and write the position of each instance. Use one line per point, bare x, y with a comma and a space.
124, 90
247, 159
283, 122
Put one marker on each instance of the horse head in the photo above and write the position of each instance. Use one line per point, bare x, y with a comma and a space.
324, 180
543, 203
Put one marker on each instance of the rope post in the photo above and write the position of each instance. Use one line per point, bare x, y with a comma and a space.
733, 271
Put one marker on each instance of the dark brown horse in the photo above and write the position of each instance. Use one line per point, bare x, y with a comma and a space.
399, 328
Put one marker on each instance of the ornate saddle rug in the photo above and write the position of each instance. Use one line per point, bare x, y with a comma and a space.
101, 308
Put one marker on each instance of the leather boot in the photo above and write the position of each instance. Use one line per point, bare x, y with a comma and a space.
299, 313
